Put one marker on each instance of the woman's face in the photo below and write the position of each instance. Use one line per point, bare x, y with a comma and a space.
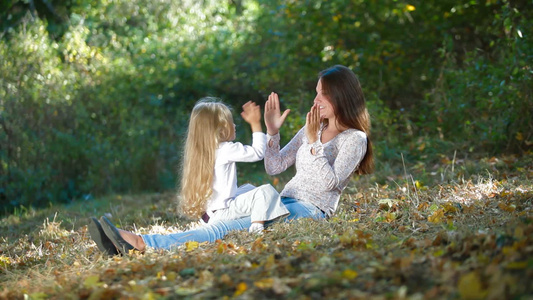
327, 110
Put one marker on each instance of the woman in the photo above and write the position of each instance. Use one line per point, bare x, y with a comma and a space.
333, 145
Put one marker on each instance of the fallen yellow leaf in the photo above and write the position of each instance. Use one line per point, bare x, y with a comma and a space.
437, 216
517, 265
418, 184
470, 287
191, 245
349, 274
4, 261
389, 217
422, 206
507, 208
265, 283
92, 281
439, 253
241, 288
171, 276
221, 248
448, 207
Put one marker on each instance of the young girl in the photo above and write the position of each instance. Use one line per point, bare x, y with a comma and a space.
209, 182
209, 175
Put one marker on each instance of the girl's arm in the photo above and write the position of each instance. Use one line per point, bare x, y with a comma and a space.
237, 152
251, 113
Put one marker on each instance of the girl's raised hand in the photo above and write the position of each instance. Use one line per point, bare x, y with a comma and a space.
251, 113
312, 124
273, 117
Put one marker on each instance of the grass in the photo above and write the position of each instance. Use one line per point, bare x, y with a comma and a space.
453, 228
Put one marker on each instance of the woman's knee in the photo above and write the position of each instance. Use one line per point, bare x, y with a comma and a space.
298, 210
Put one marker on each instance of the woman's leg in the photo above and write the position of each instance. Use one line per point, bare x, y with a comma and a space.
208, 233
299, 209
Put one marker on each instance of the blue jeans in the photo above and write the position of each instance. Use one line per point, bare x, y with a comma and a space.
219, 229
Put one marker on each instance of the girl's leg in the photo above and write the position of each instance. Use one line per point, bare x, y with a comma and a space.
121, 239
208, 233
261, 204
266, 204
256, 226
218, 229
133, 239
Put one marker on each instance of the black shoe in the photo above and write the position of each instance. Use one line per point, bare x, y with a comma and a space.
112, 233
100, 238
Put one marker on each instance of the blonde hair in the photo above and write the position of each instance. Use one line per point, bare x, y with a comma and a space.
211, 123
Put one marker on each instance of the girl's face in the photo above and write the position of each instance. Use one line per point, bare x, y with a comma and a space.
233, 133
327, 110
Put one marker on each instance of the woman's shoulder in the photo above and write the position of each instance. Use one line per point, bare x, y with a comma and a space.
351, 137
353, 133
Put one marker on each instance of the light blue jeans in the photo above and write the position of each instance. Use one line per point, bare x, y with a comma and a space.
219, 229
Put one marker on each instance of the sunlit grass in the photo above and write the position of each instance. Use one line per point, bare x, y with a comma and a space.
385, 239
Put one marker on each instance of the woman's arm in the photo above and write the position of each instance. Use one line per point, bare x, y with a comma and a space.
277, 161
351, 150
273, 117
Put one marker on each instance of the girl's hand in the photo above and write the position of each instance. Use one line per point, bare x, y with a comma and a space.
273, 117
312, 124
251, 113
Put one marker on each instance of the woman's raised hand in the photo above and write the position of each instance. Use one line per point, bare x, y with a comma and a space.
251, 113
312, 124
273, 117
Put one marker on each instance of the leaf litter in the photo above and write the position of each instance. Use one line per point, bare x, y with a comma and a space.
471, 239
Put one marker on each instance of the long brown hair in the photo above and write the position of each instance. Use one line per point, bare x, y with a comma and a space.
211, 123
343, 90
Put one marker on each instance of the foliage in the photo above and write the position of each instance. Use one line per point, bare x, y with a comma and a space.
436, 65
486, 92
100, 114
94, 96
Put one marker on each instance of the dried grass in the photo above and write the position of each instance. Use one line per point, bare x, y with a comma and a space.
396, 240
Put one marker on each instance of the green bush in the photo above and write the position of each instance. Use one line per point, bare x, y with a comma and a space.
95, 97
104, 107
482, 101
